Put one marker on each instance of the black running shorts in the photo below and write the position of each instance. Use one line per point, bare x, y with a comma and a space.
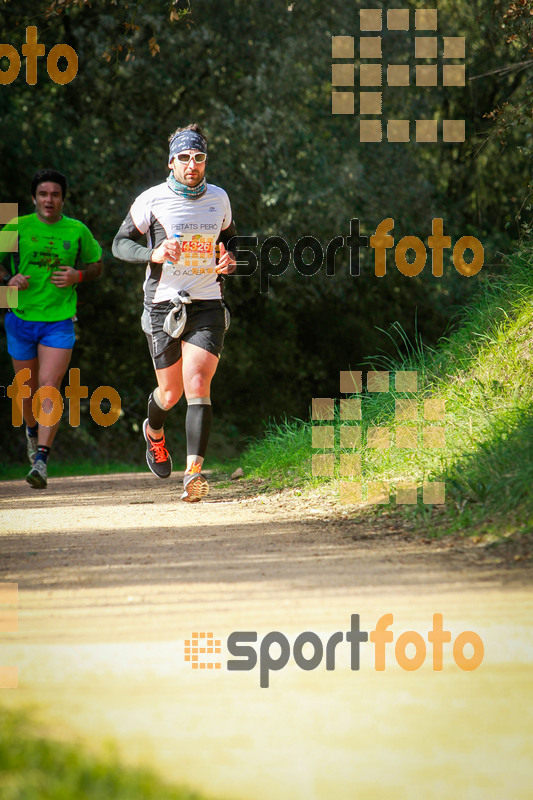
205, 327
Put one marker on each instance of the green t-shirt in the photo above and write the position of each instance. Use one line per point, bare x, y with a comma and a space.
41, 249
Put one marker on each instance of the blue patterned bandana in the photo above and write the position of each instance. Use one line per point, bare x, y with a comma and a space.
192, 192
186, 140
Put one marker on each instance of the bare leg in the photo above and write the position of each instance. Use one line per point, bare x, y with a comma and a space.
170, 383
193, 372
199, 367
32, 382
53, 363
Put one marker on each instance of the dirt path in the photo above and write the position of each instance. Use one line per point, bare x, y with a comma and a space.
115, 574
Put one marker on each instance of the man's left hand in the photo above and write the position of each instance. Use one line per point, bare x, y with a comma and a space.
64, 276
226, 263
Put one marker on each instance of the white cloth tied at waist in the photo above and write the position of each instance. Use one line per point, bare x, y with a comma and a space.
176, 319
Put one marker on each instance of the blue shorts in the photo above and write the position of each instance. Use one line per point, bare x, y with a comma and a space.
23, 336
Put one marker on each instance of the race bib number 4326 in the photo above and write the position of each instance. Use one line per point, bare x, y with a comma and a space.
197, 250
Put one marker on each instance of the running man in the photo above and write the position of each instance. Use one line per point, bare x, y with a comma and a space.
184, 361
40, 331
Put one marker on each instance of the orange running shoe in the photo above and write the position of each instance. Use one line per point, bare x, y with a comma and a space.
195, 486
157, 455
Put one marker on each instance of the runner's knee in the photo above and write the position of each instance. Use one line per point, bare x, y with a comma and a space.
51, 378
166, 398
198, 385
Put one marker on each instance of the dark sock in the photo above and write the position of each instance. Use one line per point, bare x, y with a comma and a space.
42, 453
198, 425
33, 431
156, 414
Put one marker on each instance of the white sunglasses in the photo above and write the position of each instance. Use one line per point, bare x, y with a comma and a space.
184, 158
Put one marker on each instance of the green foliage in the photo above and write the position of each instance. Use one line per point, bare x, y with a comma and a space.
282, 454
257, 77
36, 768
484, 373
72, 467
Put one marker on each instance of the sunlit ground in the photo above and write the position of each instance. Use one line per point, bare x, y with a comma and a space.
318, 734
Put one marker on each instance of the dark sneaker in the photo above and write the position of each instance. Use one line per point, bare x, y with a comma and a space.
37, 477
31, 446
195, 486
157, 455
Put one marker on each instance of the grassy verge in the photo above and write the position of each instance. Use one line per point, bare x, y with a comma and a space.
483, 447
282, 456
64, 469
36, 768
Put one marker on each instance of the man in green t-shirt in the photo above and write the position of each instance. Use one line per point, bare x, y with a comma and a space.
45, 267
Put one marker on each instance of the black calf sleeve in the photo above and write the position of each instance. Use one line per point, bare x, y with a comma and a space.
198, 425
156, 414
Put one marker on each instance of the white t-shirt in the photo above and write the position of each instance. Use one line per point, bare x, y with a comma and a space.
160, 213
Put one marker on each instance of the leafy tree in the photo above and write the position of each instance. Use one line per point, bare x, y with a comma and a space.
257, 77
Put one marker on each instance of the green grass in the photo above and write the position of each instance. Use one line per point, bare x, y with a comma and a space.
484, 372
282, 456
33, 767
63, 469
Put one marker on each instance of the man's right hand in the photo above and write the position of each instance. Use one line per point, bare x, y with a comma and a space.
20, 281
169, 250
